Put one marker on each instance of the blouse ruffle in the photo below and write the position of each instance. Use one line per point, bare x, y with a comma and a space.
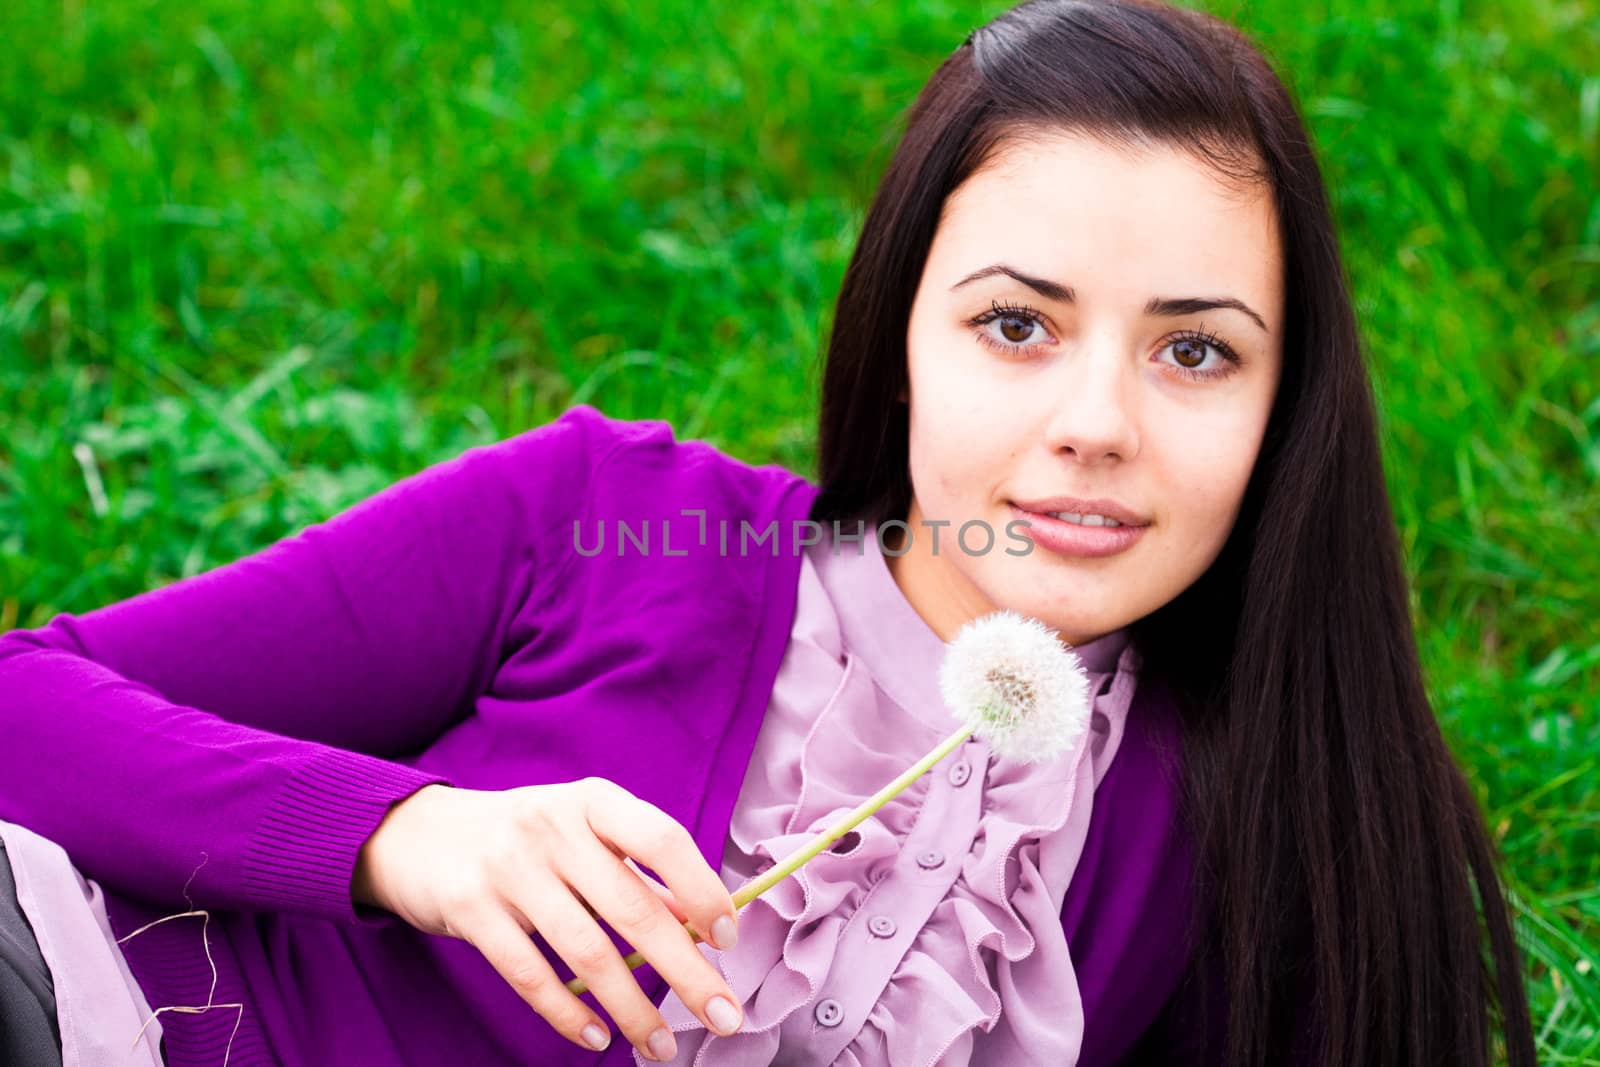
989, 978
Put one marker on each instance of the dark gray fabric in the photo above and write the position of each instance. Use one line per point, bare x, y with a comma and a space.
29, 1033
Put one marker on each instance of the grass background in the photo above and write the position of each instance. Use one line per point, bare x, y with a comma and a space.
260, 259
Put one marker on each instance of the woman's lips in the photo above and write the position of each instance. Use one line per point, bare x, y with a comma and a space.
1071, 539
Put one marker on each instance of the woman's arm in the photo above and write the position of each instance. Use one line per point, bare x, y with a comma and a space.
239, 726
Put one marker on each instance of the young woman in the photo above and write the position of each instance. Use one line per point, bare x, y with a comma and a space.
378, 785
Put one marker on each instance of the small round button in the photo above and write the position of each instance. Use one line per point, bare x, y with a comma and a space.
960, 773
930, 859
830, 1012
881, 925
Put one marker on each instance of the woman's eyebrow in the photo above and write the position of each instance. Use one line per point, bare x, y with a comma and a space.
1158, 305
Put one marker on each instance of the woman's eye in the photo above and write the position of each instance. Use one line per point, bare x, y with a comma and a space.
1192, 355
1010, 329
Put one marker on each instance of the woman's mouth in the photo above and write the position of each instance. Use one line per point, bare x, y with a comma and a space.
1077, 534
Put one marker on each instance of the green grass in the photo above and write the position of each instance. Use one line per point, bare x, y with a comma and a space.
258, 260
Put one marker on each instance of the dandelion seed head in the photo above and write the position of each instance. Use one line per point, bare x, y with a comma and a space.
1023, 692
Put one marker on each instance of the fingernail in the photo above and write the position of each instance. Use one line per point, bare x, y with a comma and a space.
596, 1038
723, 1016
724, 932
662, 1046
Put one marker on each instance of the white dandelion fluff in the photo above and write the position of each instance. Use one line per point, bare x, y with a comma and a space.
1016, 686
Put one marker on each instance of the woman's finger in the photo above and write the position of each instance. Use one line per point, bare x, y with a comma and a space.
557, 912
620, 895
666, 895
504, 942
652, 837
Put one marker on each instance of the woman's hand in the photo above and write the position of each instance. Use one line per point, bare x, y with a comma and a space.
489, 866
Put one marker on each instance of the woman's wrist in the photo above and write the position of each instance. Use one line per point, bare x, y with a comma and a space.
364, 882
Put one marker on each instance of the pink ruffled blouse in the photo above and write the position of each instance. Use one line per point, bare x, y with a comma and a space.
930, 934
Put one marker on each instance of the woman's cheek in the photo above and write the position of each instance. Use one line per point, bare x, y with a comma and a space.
1217, 500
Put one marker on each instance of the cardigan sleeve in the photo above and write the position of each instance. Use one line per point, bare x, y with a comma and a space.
232, 739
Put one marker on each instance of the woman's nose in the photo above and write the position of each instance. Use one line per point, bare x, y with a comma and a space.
1093, 416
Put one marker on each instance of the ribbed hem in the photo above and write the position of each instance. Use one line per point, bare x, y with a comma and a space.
302, 854
300, 857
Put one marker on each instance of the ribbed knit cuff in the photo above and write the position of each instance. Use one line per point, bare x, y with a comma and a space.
302, 853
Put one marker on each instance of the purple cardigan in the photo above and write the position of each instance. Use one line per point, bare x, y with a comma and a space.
231, 739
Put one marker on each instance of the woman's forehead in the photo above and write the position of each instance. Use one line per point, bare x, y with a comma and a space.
1093, 215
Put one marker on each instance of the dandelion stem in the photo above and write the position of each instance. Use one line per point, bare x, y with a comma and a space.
754, 888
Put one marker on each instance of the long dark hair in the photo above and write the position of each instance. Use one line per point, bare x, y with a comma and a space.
1340, 843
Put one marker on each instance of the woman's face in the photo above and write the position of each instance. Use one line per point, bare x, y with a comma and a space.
1093, 323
